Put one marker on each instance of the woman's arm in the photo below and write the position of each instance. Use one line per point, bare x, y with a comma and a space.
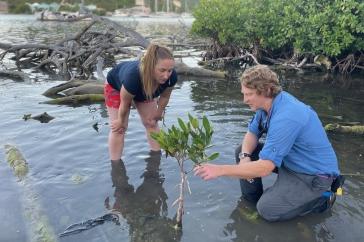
162, 103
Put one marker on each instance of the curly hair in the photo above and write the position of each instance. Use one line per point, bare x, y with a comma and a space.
262, 79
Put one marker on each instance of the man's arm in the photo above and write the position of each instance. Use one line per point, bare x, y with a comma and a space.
244, 170
249, 144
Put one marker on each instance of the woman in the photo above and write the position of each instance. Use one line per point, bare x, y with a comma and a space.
140, 82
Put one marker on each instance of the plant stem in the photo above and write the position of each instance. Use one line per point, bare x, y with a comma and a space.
180, 199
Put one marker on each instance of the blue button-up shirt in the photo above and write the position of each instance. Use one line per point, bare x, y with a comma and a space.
295, 137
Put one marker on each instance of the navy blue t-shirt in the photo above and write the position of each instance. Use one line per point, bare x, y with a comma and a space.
127, 74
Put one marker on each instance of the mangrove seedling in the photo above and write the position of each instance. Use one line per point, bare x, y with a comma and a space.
188, 141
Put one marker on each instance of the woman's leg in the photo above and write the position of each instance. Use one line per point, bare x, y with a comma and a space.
116, 140
146, 110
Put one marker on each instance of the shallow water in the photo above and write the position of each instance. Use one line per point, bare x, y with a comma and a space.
68, 148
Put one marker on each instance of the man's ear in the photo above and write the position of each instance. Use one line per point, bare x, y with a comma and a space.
268, 93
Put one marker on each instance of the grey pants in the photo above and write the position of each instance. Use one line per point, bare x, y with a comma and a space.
293, 194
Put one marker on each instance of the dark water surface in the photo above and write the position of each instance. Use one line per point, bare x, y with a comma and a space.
72, 180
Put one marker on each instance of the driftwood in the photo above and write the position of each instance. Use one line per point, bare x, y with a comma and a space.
353, 129
63, 86
220, 63
88, 88
183, 69
79, 56
76, 92
77, 99
76, 56
15, 75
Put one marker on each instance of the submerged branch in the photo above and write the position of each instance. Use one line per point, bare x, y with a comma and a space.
354, 129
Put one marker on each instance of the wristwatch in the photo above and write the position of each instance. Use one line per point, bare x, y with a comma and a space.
242, 155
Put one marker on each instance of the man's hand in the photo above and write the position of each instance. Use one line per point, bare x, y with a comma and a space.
207, 171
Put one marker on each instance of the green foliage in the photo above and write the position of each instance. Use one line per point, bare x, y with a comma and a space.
189, 140
69, 8
99, 11
329, 27
21, 8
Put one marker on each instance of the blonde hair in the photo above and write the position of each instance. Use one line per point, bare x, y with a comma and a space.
262, 79
148, 62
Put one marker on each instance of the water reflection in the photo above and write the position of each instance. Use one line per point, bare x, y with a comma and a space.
144, 208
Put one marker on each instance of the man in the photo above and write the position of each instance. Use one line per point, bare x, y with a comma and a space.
296, 147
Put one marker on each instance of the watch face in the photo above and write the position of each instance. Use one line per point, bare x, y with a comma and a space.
243, 155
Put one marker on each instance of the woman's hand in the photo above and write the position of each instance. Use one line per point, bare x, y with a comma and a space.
159, 114
117, 126
154, 118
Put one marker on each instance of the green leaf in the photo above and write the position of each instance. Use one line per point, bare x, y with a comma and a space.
213, 156
182, 125
206, 124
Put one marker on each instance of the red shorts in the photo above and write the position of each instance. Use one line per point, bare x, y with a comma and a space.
112, 96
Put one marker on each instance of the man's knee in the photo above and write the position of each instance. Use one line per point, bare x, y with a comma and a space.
267, 212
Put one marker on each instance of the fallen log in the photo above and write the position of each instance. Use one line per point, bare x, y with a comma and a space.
88, 88
77, 99
183, 69
354, 129
63, 86
80, 91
